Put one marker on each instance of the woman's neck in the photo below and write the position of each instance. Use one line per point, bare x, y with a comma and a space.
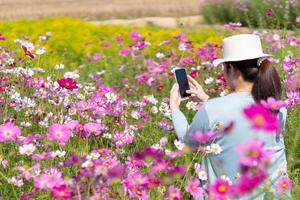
243, 87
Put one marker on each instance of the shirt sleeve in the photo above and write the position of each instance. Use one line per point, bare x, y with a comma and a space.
184, 130
282, 117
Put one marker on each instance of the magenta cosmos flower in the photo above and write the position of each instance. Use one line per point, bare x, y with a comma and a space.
193, 188
273, 104
59, 133
47, 181
248, 182
261, 118
220, 189
9, 132
253, 153
186, 61
283, 184
61, 192
67, 83
173, 193
93, 128
203, 137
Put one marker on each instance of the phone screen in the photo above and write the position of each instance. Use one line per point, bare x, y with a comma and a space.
182, 81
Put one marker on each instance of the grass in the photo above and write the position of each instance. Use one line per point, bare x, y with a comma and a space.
72, 43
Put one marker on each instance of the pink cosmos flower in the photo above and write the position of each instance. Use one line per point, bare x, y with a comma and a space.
9, 132
202, 137
159, 165
67, 83
273, 104
42, 156
2, 36
61, 192
287, 64
284, 184
173, 193
59, 133
134, 35
261, 118
269, 12
186, 61
247, 182
119, 39
72, 124
135, 183
253, 153
134, 162
28, 172
298, 19
220, 189
47, 181
93, 128
119, 138
97, 56
124, 51
193, 188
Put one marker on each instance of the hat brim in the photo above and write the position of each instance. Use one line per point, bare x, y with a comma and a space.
219, 61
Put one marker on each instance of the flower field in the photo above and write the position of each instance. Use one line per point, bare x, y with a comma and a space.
84, 110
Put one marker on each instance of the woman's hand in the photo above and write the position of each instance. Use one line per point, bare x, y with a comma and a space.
175, 98
196, 90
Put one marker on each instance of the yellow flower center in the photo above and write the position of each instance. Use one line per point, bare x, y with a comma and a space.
58, 133
221, 188
7, 133
259, 119
283, 185
252, 153
67, 84
61, 193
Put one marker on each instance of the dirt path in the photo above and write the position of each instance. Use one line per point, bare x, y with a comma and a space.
166, 22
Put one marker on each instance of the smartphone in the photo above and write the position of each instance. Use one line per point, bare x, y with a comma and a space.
182, 80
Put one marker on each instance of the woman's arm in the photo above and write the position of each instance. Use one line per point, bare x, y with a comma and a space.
184, 130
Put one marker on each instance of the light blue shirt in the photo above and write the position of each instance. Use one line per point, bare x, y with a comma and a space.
222, 111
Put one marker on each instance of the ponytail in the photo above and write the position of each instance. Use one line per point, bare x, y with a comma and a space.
267, 82
265, 79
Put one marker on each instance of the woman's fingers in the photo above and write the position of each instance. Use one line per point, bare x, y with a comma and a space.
193, 81
174, 88
191, 91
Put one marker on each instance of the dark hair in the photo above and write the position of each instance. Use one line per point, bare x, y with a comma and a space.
265, 79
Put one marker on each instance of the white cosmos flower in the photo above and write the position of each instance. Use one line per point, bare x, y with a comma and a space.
164, 108
209, 80
208, 149
154, 109
151, 99
160, 55
40, 51
182, 46
276, 37
202, 175
93, 155
111, 97
73, 75
87, 164
179, 145
27, 149
191, 105
59, 153
59, 66
216, 149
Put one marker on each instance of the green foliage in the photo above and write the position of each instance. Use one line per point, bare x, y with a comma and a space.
253, 13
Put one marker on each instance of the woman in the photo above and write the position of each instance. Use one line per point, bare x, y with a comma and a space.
252, 78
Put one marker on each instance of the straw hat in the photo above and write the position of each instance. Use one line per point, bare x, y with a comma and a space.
241, 47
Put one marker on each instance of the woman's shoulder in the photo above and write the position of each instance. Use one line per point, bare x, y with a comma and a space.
230, 99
